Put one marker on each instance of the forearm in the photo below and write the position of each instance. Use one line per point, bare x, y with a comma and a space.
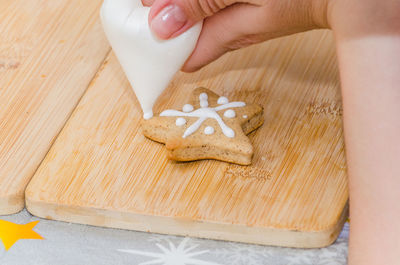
370, 76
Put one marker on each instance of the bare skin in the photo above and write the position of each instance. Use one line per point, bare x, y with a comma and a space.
367, 36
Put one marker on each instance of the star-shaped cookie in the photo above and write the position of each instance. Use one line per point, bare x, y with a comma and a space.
209, 127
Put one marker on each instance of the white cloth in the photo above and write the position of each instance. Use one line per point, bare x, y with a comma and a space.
72, 244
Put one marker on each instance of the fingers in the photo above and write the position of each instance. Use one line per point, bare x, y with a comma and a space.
241, 25
227, 30
232, 24
170, 18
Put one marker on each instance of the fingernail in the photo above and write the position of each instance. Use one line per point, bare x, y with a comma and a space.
168, 21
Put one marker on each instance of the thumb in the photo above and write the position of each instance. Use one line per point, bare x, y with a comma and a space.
170, 18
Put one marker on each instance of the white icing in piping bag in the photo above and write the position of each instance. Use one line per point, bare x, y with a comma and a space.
148, 62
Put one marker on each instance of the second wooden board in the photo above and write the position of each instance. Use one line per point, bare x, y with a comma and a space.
49, 53
102, 171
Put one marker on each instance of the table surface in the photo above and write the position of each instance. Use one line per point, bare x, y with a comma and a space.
71, 244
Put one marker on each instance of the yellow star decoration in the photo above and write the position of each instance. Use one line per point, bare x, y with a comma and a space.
10, 233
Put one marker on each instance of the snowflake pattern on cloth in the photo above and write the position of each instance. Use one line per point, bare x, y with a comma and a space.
183, 254
229, 253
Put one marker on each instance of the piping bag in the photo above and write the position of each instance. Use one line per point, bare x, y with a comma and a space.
148, 62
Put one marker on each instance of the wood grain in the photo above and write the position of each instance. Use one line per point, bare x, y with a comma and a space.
102, 171
49, 52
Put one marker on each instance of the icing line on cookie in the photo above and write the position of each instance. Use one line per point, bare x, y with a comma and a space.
203, 100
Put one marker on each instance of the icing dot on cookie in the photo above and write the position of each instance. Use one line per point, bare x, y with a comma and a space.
187, 108
245, 116
180, 122
222, 100
209, 130
230, 113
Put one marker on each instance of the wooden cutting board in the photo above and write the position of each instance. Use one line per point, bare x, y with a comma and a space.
102, 171
47, 59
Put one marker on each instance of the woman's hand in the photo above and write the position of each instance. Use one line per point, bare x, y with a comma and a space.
233, 24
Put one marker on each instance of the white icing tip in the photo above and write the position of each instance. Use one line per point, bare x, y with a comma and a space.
187, 108
245, 116
209, 130
180, 122
148, 115
230, 113
222, 100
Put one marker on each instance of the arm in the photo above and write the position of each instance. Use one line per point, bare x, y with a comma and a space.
368, 46
370, 75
